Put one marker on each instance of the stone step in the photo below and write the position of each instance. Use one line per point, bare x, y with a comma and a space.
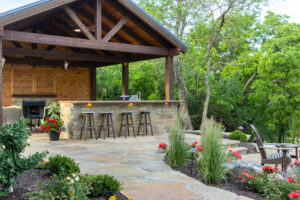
241, 150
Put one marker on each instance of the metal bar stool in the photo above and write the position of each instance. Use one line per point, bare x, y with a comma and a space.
107, 123
127, 118
147, 122
88, 122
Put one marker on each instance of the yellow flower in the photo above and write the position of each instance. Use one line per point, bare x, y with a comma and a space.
128, 198
112, 198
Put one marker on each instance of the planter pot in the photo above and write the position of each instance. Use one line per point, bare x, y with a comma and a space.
54, 136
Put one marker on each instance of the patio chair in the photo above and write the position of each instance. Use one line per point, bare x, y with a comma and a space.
276, 158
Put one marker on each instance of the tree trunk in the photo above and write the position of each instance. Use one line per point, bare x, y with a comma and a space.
184, 112
207, 97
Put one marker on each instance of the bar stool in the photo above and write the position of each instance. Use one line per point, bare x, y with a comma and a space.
88, 122
127, 118
107, 123
146, 123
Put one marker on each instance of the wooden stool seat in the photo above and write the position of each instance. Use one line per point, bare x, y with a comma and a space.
88, 122
128, 122
106, 123
147, 122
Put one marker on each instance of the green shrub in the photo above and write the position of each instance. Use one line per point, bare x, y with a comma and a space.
63, 165
13, 141
212, 160
238, 135
177, 148
61, 187
102, 185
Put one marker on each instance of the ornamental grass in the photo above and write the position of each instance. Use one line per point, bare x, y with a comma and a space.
177, 148
212, 160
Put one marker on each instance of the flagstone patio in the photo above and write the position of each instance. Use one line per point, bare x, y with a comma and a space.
136, 162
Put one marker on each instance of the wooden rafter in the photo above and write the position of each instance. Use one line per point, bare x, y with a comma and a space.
78, 22
98, 20
61, 55
115, 29
82, 43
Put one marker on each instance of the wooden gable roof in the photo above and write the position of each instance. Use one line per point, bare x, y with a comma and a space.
123, 22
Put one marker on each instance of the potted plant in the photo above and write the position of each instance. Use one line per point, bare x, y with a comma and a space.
53, 127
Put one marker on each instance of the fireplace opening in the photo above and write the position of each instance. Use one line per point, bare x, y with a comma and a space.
33, 110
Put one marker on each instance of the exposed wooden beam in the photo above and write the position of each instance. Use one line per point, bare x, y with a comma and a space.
1, 67
125, 78
17, 44
61, 55
50, 47
115, 29
98, 20
169, 78
93, 83
82, 43
43, 62
1, 31
139, 23
79, 23
126, 30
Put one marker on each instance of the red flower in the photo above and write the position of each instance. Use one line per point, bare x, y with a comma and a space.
48, 120
291, 179
194, 144
239, 157
53, 120
43, 127
229, 150
48, 127
276, 169
199, 148
163, 146
268, 169
236, 153
294, 194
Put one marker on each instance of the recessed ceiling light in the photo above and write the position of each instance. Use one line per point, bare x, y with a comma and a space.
77, 30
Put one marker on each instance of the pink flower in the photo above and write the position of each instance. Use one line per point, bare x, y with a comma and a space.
228, 160
276, 169
239, 157
229, 150
291, 179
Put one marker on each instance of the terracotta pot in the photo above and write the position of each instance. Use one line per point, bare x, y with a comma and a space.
54, 136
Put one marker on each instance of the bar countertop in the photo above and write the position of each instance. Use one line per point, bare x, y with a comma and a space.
124, 102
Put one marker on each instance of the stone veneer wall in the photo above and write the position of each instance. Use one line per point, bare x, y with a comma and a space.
18, 101
163, 115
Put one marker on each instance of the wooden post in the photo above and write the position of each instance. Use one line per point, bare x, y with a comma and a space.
125, 78
98, 20
93, 83
1, 110
169, 78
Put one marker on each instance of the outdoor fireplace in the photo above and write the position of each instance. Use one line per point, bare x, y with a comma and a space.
33, 109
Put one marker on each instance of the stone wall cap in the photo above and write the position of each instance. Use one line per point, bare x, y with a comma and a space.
124, 102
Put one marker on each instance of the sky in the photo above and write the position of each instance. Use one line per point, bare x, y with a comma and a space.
283, 7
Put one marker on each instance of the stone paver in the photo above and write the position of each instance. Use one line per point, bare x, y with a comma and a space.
136, 162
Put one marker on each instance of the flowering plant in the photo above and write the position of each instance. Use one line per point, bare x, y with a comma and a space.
233, 156
163, 146
194, 144
53, 125
270, 185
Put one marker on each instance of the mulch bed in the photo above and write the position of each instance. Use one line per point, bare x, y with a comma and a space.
228, 186
29, 180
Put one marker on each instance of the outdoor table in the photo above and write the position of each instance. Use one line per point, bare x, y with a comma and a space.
290, 146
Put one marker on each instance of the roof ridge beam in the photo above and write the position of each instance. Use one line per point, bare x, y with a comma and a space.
98, 20
78, 22
83, 43
115, 29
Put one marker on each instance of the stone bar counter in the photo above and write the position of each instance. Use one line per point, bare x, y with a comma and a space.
163, 115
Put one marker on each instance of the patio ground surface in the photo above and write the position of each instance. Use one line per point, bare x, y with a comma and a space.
136, 162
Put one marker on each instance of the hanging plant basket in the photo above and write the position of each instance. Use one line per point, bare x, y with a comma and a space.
54, 136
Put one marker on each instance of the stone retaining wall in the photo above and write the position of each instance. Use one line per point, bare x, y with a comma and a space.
163, 115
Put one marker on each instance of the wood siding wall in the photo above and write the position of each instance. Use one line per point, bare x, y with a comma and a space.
71, 85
